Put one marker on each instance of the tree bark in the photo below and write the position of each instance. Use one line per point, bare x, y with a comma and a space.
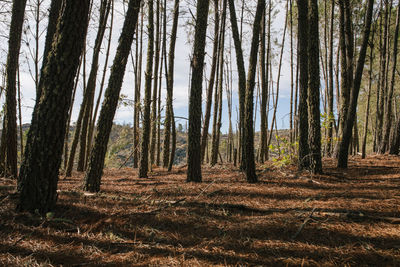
248, 143
37, 183
241, 78
304, 160
207, 115
170, 82
194, 134
314, 124
9, 143
146, 124
104, 125
344, 145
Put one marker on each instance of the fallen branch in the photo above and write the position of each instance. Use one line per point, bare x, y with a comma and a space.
303, 224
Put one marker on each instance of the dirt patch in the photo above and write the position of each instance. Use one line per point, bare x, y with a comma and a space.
343, 217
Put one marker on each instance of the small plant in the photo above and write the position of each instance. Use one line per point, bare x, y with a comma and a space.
285, 151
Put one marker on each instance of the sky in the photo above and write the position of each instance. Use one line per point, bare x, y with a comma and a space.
124, 114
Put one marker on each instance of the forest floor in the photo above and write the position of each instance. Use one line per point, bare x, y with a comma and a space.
343, 217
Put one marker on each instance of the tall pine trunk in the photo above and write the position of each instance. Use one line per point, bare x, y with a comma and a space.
146, 124
9, 142
37, 183
248, 143
196, 88
314, 125
104, 125
347, 131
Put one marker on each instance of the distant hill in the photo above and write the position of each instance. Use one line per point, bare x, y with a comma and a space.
120, 146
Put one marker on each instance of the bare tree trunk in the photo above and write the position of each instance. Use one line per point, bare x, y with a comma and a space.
207, 115
197, 64
38, 179
170, 82
9, 142
371, 59
153, 138
304, 160
389, 103
146, 124
248, 142
344, 145
104, 125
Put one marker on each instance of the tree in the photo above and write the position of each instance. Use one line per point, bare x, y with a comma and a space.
314, 125
9, 142
37, 183
207, 114
241, 78
154, 120
347, 131
248, 142
197, 64
88, 97
146, 124
170, 82
304, 160
104, 125
389, 103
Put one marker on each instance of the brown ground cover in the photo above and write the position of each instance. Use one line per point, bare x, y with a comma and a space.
344, 217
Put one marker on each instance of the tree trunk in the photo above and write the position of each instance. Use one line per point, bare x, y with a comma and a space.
153, 138
10, 116
104, 125
195, 99
91, 83
304, 159
54, 14
389, 103
331, 116
144, 147
314, 120
366, 119
138, 86
170, 82
382, 85
264, 90
241, 79
248, 142
38, 179
207, 115
344, 145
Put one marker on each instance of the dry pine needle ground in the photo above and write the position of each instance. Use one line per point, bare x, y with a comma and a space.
342, 218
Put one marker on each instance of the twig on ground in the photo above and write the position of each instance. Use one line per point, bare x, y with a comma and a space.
303, 224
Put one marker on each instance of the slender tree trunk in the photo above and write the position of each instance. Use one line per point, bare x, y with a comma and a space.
382, 85
138, 86
104, 125
207, 115
107, 56
304, 159
91, 83
146, 124
10, 117
248, 142
371, 61
153, 138
241, 79
197, 64
389, 103
344, 145
314, 123
264, 90
37, 183
170, 82
331, 116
